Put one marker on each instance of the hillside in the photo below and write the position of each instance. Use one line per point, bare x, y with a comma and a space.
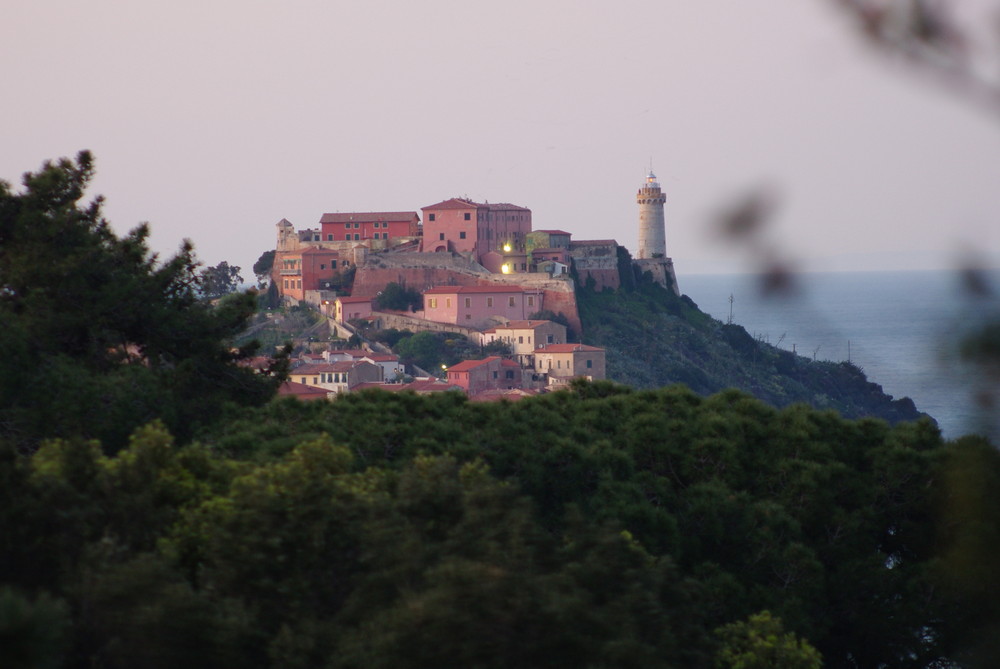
654, 338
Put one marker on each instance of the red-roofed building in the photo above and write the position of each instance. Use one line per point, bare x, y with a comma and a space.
570, 360
338, 377
302, 391
358, 226
480, 306
465, 226
524, 337
477, 376
347, 308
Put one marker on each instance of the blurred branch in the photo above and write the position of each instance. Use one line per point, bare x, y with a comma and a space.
925, 34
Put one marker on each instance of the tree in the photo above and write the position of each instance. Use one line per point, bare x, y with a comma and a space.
99, 335
262, 268
761, 642
218, 281
398, 297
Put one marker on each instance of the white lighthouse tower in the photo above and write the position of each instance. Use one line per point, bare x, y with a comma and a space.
652, 230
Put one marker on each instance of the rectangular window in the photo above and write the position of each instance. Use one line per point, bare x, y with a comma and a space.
468, 317
433, 303
468, 302
559, 364
347, 226
590, 363
356, 236
322, 266
510, 374
520, 340
447, 302
430, 217
489, 301
548, 339
299, 283
495, 374
333, 264
468, 216
461, 235
377, 225
510, 301
329, 237
531, 301
441, 236
385, 235
357, 225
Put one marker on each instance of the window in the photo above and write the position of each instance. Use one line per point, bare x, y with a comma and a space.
510, 301
430, 217
489, 301
559, 364
329, 237
432, 303
357, 225
590, 363
377, 224
468, 216
322, 266
520, 340
333, 264
468, 302
315, 238
357, 236
447, 302
495, 374
385, 235
531, 301
529, 339
510, 374
461, 235
468, 317
548, 339
441, 236
299, 283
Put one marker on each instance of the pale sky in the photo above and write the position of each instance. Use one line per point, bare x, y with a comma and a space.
214, 119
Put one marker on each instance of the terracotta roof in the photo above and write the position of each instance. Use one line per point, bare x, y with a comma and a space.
453, 203
462, 203
353, 300
303, 392
369, 217
382, 357
509, 363
467, 365
451, 290
554, 232
568, 348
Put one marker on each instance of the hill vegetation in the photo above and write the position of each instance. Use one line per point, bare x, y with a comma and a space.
654, 338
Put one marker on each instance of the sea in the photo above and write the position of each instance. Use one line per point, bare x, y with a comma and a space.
904, 329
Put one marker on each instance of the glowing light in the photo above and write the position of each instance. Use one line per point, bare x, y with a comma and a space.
506, 248
505, 268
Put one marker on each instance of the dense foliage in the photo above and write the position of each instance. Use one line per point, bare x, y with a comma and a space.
595, 527
98, 336
654, 338
397, 297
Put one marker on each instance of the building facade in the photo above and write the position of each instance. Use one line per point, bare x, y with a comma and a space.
464, 226
379, 225
481, 306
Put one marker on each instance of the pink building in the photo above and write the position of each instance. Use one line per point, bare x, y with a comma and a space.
480, 306
478, 376
469, 227
371, 225
347, 308
570, 360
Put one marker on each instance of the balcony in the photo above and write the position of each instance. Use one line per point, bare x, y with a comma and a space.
291, 272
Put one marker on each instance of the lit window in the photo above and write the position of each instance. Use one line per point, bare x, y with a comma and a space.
433, 303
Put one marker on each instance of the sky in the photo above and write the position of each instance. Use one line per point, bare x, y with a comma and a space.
212, 120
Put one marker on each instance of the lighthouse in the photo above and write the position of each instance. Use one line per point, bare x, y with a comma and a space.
652, 230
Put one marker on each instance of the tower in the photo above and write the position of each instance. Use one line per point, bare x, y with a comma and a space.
652, 231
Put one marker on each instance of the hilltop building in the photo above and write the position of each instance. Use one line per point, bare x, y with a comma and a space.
652, 253
464, 226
